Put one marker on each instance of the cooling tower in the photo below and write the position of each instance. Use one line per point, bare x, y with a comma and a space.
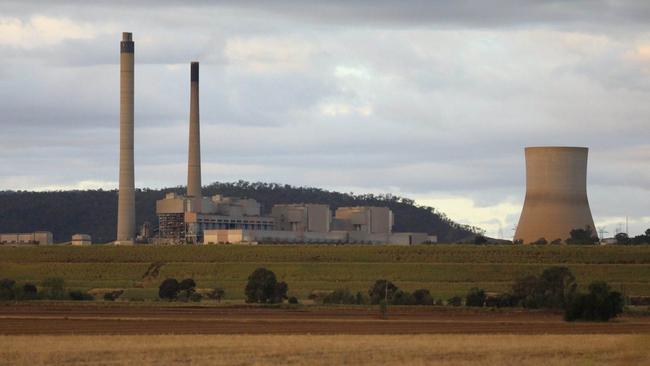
194, 155
126, 201
556, 194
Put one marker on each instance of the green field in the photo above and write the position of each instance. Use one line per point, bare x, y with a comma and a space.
446, 270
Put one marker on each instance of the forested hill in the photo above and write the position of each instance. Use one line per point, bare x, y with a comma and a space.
94, 212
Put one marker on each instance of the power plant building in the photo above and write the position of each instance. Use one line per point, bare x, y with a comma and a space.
556, 194
38, 237
194, 219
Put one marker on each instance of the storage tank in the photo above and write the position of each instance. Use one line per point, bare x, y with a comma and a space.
556, 194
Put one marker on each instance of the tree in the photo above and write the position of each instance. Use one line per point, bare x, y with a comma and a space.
582, 236
168, 289
622, 238
30, 292
540, 241
552, 289
382, 289
340, 296
480, 239
455, 301
7, 289
600, 304
263, 287
186, 284
558, 285
216, 294
422, 297
54, 288
475, 297
403, 298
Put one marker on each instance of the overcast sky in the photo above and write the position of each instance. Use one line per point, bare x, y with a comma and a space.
430, 100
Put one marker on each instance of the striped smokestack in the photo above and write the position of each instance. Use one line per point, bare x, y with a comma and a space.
126, 201
194, 156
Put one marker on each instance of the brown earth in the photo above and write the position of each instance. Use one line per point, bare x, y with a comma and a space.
49, 318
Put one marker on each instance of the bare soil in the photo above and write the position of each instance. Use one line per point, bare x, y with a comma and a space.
58, 319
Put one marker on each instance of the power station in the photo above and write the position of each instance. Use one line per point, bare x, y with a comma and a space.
556, 194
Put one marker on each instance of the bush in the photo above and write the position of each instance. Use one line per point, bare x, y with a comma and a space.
361, 299
168, 289
30, 292
293, 300
113, 295
7, 289
217, 294
600, 304
582, 236
475, 297
403, 298
263, 287
196, 297
455, 301
340, 296
80, 296
540, 241
422, 297
187, 284
552, 289
53, 288
382, 289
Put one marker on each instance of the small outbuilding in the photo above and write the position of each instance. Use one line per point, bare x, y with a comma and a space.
81, 239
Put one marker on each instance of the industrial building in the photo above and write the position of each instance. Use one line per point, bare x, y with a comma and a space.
38, 238
194, 219
556, 194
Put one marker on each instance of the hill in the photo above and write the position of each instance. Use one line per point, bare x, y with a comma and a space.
94, 212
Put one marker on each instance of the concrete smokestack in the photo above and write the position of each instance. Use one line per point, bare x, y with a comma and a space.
194, 156
126, 202
556, 194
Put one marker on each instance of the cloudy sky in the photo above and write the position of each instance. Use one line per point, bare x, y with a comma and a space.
431, 100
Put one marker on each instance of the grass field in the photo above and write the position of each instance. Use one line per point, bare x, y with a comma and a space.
327, 350
446, 270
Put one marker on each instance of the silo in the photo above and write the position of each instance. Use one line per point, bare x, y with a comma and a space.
556, 194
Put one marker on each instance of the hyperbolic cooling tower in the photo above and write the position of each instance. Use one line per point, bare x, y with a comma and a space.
194, 156
126, 202
556, 194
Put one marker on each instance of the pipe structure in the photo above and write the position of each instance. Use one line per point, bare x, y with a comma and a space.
194, 155
556, 194
126, 197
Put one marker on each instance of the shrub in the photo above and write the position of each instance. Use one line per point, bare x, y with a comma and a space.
30, 292
217, 294
382, 289
80, 296
196, 297
582, 236
540, 241
455, 301
340, 296
7, 289
53, 288
168, 289
361, 299
475, 297
552, 289
600, 304
293, 300
422, 297
187, 284
263, 287
403, 298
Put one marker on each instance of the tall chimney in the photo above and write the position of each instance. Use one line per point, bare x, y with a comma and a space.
194, 156
126, 202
